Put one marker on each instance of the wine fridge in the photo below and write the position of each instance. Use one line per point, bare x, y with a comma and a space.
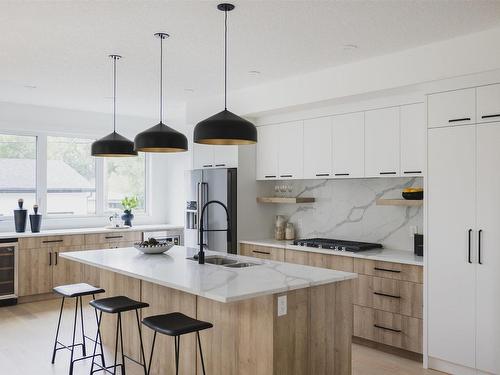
8, 271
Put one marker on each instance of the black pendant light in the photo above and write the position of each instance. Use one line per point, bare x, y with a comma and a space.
161, 138
114, 144
225, 128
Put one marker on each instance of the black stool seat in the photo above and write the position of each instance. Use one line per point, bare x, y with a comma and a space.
77, 290
175, 324
117, 304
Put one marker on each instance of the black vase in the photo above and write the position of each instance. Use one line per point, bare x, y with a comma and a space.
20, 217
127, 218
36, 223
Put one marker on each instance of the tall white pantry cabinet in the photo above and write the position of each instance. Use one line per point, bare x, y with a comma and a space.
463, 231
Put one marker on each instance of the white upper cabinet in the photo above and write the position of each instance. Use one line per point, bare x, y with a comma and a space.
291, 147
488, 103
203, 156
413, 135
318, 148
382, 142
267, 152
225, 156
348, 133
452, 108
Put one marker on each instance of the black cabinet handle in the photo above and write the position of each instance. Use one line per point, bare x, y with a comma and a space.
207, 165
50, 258
386, 295
341, 174
469, 250
387, 328
220, 165
269, 176
322, 174
52, 241
260, 252
57, 257
383, 173
490, 116
110, 237
386, 270
408, 172
459, 119
286, 175
479, 260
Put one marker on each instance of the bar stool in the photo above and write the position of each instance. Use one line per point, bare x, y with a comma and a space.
76, 291
117, 305
175, 324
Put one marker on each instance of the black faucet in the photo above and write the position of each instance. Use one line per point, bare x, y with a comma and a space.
201, 253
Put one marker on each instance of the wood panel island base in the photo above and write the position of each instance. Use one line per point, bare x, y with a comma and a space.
252, 334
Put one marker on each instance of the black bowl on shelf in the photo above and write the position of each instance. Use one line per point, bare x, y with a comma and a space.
413, 196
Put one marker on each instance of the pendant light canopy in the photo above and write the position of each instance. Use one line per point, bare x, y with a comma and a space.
161, 138
225, 128
114, 144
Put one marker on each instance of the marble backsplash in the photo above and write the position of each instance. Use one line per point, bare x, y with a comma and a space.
346, 209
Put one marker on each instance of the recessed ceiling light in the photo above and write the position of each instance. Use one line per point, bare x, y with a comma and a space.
254, 72
29, 86
189, 90
349, 47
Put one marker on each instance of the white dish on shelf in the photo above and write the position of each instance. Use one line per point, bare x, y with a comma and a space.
155, 249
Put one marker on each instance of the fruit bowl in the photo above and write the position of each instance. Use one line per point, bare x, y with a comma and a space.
415, 194
152, 246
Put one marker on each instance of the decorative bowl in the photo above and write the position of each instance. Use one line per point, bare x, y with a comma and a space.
154, 249
413, 195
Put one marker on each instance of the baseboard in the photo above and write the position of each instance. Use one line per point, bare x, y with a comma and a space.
37, 298
388, 349
450, 368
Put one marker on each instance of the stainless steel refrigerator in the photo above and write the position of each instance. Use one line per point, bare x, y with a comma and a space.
204, 185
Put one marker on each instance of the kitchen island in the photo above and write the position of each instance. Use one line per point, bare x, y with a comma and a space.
269, 318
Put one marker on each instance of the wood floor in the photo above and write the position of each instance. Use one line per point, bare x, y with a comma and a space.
27, 334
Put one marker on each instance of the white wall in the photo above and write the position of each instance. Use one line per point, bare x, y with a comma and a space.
166, 170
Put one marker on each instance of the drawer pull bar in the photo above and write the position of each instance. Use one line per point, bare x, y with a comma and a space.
270, 176
386, 270
341, 174
220, 165
387, 328
459, 119
286, 175
322, 174
384, 173
412, 172
490, 116
50, 259
109, 237
52, 241
260, 252
57, 257
207, 165
386, 295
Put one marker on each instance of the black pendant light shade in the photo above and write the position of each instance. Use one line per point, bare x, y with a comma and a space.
225, 128
161, 138
114, 144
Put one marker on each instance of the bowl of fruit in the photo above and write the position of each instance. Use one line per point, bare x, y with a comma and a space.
415, 194
153, 246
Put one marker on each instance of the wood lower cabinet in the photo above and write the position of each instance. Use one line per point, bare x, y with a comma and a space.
262, 252
35, 271
66, 271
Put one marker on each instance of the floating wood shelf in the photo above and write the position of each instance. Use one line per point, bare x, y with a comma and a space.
284, 200
399, 202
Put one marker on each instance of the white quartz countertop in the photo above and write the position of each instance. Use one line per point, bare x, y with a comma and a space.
63, 232
386, 255
218, 283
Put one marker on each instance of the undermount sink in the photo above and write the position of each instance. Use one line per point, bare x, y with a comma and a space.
226, 262
242, 265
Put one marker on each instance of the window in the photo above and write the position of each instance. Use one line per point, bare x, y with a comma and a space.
125, 177
17, 172
71, 184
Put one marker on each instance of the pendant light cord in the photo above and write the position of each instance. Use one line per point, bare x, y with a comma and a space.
225, 59
114, 94
161, 79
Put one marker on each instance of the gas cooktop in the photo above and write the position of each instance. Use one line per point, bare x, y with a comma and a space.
340, 245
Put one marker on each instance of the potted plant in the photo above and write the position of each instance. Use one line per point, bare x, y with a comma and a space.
128, 204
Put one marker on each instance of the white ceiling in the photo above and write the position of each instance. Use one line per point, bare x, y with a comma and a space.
62, 47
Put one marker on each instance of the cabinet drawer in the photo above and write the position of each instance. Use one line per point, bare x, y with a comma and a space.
112, 237
50, 241
389, 270
334, 262
387, 328
488, 103
452, 108
400, 297
263, 252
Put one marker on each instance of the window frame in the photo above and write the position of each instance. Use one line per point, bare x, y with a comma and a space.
41, 177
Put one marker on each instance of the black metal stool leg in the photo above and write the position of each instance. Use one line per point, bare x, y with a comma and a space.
57, 332
121, 345
84, 347
177, 340
201, 352
97, 337
152, 350
71, 363
140, 340
116, 341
